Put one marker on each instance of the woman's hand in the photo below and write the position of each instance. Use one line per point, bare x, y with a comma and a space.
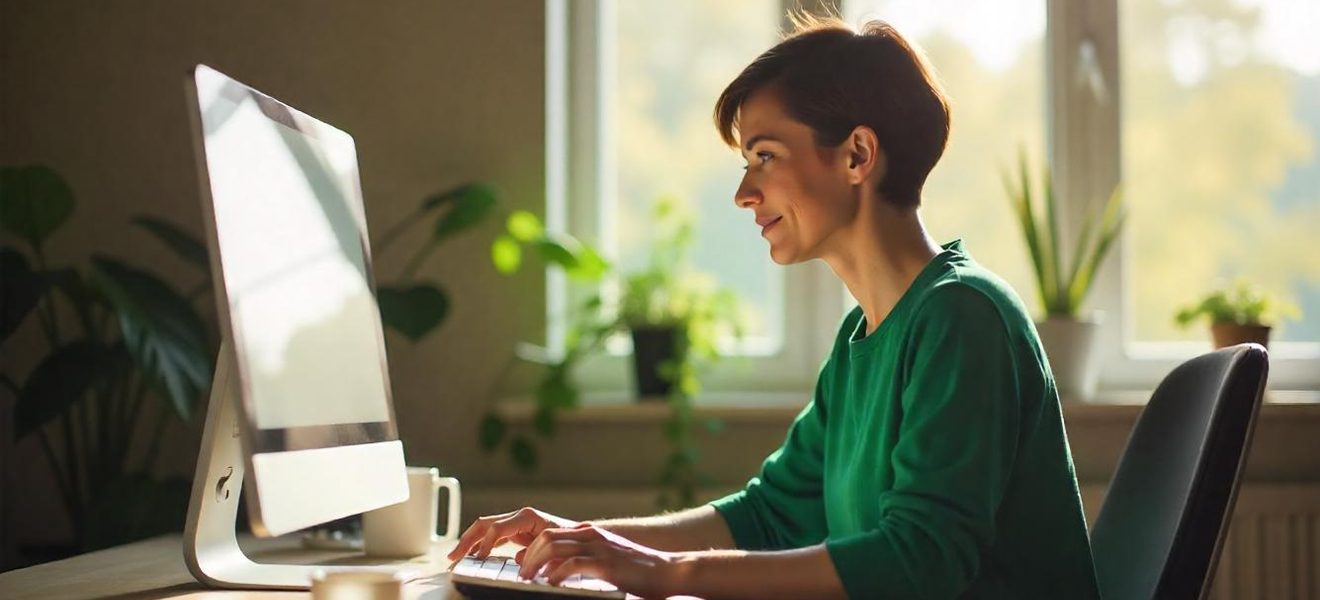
520, 527
589, 550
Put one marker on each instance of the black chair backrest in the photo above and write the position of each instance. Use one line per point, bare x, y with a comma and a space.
1167, 509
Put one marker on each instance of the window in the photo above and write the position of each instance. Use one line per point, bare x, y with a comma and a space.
640, 83
1241, 197
990, 59
1220, 128
673, 60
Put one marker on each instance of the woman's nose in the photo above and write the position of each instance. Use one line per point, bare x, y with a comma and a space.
747, 194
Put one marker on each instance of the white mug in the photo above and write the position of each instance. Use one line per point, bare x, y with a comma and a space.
409, 527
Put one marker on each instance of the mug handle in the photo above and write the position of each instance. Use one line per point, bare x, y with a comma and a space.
455, 506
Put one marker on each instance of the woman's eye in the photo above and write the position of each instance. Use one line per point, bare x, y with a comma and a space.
764, 156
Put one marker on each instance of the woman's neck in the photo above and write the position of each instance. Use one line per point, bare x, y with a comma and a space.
879, 255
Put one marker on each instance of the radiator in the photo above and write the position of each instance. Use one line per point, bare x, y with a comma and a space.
1273, 546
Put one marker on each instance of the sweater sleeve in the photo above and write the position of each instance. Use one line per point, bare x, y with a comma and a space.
783, 506
954, 453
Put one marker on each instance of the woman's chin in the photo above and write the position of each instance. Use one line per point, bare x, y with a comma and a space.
782, 256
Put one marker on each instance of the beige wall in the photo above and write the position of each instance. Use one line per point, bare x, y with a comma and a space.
435, 93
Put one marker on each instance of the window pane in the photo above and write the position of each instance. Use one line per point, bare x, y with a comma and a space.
1221, 118
674, 58
989, 57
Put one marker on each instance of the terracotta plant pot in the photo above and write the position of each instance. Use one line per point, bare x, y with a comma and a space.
1071, 348
1228, 333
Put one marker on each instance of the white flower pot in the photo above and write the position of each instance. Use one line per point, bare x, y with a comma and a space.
1071, 348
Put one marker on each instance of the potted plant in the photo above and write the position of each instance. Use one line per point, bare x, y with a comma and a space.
1068, 337
137, 355
674, 315
1239, 314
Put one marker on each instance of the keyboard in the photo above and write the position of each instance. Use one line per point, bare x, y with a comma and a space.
496, 577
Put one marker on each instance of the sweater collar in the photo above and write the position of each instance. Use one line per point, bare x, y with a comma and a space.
859, 342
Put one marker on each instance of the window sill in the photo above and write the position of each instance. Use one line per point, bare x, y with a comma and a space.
782, 407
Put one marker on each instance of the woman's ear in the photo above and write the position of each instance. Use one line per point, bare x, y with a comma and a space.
865, 157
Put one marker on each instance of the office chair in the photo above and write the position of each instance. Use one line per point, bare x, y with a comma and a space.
1166, 513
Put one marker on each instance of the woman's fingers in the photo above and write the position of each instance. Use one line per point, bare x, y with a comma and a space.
577, 534
520, 527
524, 521
475, 533
470, 536
522, 538
540, 553
577, 565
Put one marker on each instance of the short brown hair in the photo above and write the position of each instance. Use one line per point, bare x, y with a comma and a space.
834, 78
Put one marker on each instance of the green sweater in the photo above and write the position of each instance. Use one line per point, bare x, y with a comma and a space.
932, 459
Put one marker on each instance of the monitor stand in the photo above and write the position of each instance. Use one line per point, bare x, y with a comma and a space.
210, 540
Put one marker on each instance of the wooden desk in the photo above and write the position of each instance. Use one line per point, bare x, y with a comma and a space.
153, 569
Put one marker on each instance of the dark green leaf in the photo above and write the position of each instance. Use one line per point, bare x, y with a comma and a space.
58, 382
469, 205
523, 453
443, 198
82, 296
34, 202
555, 390
506, 254
543, 420
414, 311
163, 333
491, 432
20, 290
713, 425
555, 253
524, 226
181, 242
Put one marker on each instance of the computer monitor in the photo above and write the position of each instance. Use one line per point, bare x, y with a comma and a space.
300, 415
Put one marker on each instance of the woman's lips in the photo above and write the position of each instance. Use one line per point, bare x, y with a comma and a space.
767, 226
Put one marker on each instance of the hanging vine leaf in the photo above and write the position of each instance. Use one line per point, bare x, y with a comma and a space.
557, 253
491, 432
470, 204
506, 254
523, 453
543, 421
34, 202
524, 226
414, 311
163, 333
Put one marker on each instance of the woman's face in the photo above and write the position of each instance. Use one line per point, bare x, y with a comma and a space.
799, 191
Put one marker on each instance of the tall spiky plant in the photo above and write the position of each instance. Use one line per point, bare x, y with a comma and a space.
1061, 292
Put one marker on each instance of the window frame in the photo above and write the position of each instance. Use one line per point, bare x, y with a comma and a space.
1083, 137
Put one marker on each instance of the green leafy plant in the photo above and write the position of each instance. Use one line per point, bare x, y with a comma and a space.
136, 337
665, 294
1241, 304
416, 308
1061, 283
132, 334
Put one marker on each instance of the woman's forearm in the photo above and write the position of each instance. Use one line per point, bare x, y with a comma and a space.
733, 574
700, 528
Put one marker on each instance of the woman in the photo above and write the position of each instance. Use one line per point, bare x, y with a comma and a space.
932, 460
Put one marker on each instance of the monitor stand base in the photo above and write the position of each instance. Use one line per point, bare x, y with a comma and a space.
210, 541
